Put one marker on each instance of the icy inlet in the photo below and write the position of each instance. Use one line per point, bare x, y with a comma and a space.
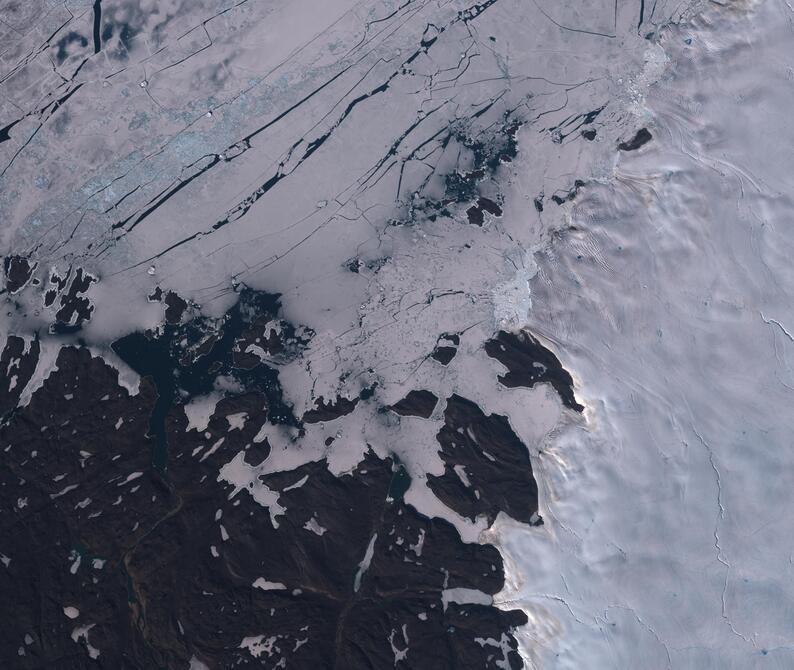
395, 335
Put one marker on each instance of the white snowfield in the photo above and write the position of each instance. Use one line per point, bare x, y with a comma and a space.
670, 535
665, 285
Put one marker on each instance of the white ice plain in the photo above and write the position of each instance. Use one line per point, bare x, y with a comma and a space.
669, 535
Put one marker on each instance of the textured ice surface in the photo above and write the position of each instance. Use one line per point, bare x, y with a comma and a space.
667, 536
412, 178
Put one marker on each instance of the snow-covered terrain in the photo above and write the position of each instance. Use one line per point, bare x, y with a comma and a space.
669, 534
530, 258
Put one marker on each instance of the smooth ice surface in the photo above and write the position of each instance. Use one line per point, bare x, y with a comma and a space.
668, 534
